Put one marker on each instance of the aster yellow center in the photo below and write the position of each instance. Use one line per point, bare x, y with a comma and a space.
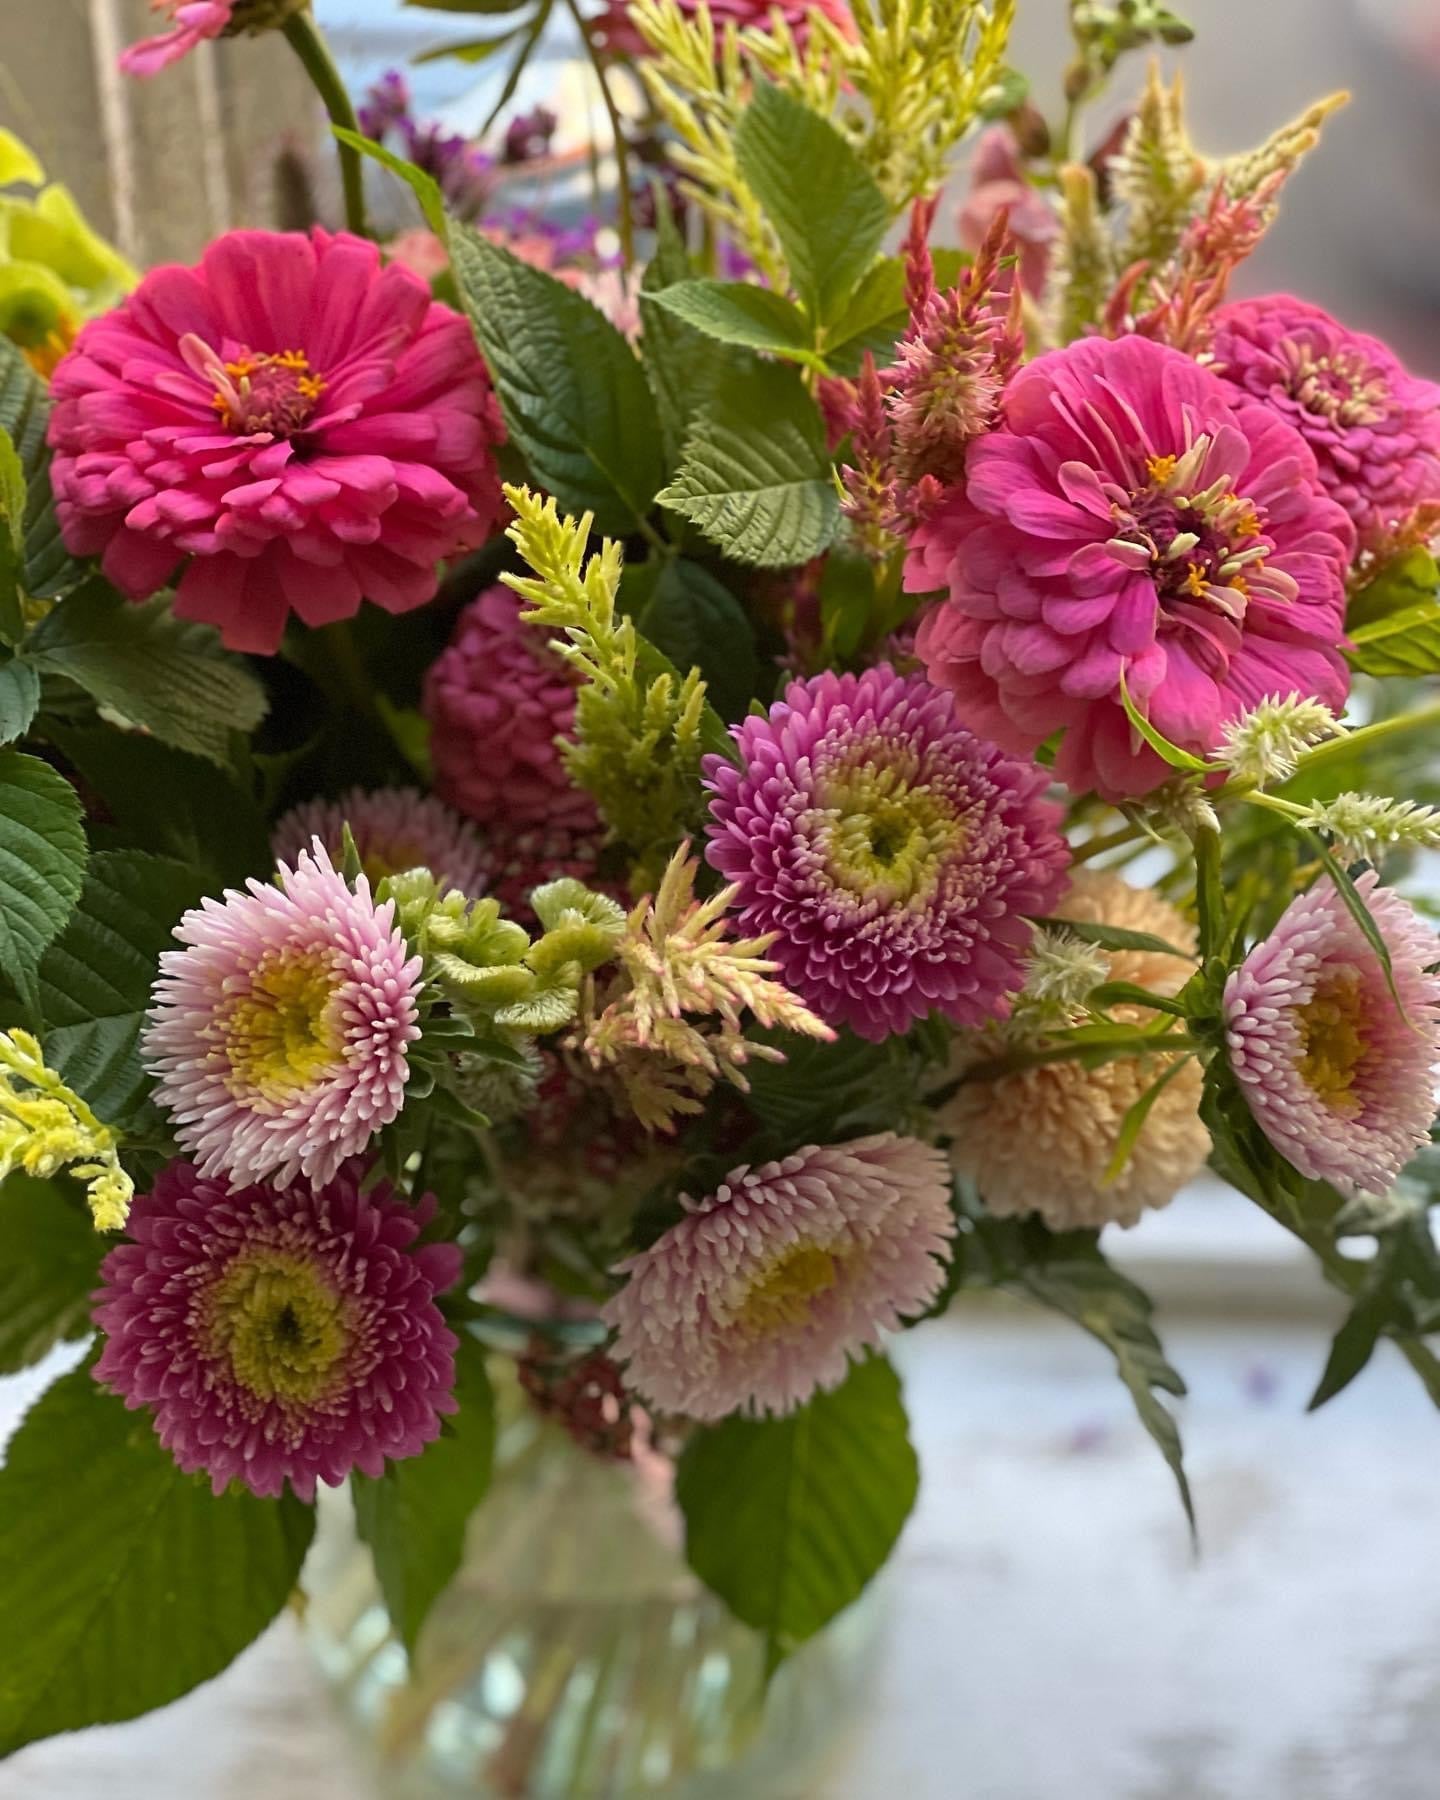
279, 1324
281, 1034
782, 1295
885, 838
1334, 1041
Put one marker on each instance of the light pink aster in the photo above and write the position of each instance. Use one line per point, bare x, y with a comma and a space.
279, 1035
394, 829
1132, 513
1342, 1084
1374, 427
288, 426
279, 1334
894, 855
766, 1288
497, 698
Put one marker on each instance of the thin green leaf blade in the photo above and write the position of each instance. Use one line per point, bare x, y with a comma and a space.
1114, 937
1158, 742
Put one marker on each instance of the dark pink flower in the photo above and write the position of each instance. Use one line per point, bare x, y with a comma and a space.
192, 22
279, 1335
1132, 514
1374, 427
292, 425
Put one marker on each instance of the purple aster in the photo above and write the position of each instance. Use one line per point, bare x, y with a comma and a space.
893, 854
279, 1334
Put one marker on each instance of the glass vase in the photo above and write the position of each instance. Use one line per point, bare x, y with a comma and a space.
574, 1656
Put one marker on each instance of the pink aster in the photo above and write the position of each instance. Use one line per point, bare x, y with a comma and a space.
497, 698
1338, 1078
288, 426
1374, 427
766, 1288
394, 829
279, 1334
894, 855
279, 1035
1131, 514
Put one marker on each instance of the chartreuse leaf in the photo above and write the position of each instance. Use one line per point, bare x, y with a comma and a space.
415, 1515
827, 211
19, 698
49, 1258
788, 1519
95, 980
1158, 742
737, 312
756, 474
12, 540
42, 863
126, 1583
573, 392
164, 674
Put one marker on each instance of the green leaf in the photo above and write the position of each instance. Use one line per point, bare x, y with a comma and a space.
1405, 582
788, 1519
828, 1091
1158, 742
166, 675
737, 312
1134, 1121
12, 541
574, 394
877, 313
1360, 913
96, 978
756, 475
1403, 643
424, 186
468, 6
126, 1583
415, 1516
698, 623
826, 209
49, 1261
49, 569
1353, 1346
42, 863
19, 699
473, 50
1113, 937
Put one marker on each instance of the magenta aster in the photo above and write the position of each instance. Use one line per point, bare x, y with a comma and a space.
766, 1287
1374, 427
1132, 514
497, 698
394, 829
279, 1035
279, 1334
1340, 1081
894, 855
290, 426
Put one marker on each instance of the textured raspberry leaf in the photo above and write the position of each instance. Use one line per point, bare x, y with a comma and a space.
42, 863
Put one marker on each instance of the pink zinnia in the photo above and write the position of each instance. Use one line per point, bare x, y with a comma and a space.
766, 1288
1132, 514
1339, 1079
289, 424
394, 829
497, 698
1374, 427
192, 22
279, 1334
280, 1034
894, 855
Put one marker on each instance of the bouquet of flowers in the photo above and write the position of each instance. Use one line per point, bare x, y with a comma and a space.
656, 811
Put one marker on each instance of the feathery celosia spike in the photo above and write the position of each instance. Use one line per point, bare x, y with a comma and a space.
870, 489
919, 264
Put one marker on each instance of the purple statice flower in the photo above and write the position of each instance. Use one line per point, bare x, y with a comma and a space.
386, 105
464, 172
528, 135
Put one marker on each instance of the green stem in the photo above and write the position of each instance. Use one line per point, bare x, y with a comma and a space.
1111, 840
617, 131
352, 684
303, 36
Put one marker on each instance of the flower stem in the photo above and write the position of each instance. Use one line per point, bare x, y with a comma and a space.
626, 218
303, 36
352, 684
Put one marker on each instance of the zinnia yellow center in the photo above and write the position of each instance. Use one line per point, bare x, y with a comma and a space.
281, 1035
279, 1324
1334, 1041
783, 1293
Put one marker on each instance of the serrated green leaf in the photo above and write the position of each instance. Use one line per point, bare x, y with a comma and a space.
95, 980
788, 1519
698, 623
573, 392
756, 474
876, 313
49, 569
42, 863
738, 312
827, 211
19, 699
166, 675
126, 1583
49, 1258
415, 1515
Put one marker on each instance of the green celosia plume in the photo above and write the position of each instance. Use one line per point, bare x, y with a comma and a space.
45, 1127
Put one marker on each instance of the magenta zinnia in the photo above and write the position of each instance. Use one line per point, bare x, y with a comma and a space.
288, 426
280, 1034
394, 829
766, 1287
894, 855
1339, 1079
279, 1335
1132, 515
1374, 427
